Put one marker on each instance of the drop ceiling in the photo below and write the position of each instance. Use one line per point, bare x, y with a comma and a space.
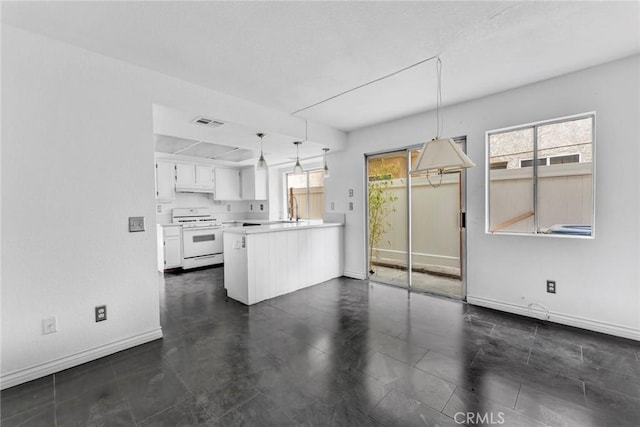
229, 143
288, 55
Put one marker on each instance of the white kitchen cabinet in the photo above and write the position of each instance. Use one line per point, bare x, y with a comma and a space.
172, 241
165, 181
254, 183
227, 184
192, 177
204, 176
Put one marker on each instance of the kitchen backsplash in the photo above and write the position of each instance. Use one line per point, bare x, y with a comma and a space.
222, 211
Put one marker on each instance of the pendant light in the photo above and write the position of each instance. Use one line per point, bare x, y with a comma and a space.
325, 169
262, 163
440, 155
297, 169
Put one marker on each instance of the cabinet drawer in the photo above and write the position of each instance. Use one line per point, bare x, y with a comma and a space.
171, 230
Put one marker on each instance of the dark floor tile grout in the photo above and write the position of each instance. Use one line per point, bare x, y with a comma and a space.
55, 402
379, 401
447, 402
238, 405
515, 403
492, 329
529, 355
415, 365
474, 357
5, 419
126, 399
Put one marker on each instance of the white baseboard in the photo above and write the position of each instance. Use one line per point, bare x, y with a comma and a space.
578, 322
355, 275
37, 371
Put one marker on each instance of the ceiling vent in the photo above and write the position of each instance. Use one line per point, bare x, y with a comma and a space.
205, 121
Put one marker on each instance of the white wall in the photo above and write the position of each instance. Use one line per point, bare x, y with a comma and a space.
77, 160
597, 280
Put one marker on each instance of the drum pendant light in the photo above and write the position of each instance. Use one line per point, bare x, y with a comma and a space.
440, 155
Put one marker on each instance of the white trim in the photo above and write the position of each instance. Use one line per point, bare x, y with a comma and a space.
565, 319
355, 275
37, 371
395, 251
542, 122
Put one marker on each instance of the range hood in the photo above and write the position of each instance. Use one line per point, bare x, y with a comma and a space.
193, 189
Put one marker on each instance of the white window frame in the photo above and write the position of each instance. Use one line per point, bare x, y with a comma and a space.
535, 125
306, 172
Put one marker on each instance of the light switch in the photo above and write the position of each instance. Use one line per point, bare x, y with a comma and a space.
350, 206
136, 223
351, 192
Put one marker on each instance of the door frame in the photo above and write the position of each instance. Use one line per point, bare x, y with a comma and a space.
462, 140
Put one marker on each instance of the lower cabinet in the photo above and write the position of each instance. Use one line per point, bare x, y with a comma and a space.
172, 242
260, 266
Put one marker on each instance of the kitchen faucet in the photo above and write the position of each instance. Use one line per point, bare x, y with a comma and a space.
297, 210
293, 199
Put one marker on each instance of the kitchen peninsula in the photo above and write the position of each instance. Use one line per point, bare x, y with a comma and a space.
269, 260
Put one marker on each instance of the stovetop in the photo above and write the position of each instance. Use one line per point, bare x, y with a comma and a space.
193, 217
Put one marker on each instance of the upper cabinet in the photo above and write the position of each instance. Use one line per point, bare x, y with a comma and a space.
165, 179
227, 182
254, 184
194, 178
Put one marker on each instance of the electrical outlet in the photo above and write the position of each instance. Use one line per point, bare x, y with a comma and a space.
101, 313
50, 325
333, 206
551, 286
261, 207
228, 208
136, 223
251, 205
159, 209
351, 192
350, 206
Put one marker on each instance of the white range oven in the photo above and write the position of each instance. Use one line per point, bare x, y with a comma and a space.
201, 237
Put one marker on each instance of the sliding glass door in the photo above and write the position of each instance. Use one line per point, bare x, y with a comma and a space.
415, 225
388, 217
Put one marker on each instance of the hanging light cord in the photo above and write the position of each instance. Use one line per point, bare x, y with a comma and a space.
439, 119
368, 83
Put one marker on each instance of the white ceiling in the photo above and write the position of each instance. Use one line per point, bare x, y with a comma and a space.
288, 55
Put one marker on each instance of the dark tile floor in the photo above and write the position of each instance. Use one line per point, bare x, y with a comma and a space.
343, 353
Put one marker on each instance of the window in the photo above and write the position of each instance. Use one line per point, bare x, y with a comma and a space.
540, 178
305, 195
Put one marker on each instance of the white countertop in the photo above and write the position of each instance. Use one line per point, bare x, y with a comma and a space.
281, 226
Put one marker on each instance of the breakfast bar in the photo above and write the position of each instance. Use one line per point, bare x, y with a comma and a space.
269, 260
